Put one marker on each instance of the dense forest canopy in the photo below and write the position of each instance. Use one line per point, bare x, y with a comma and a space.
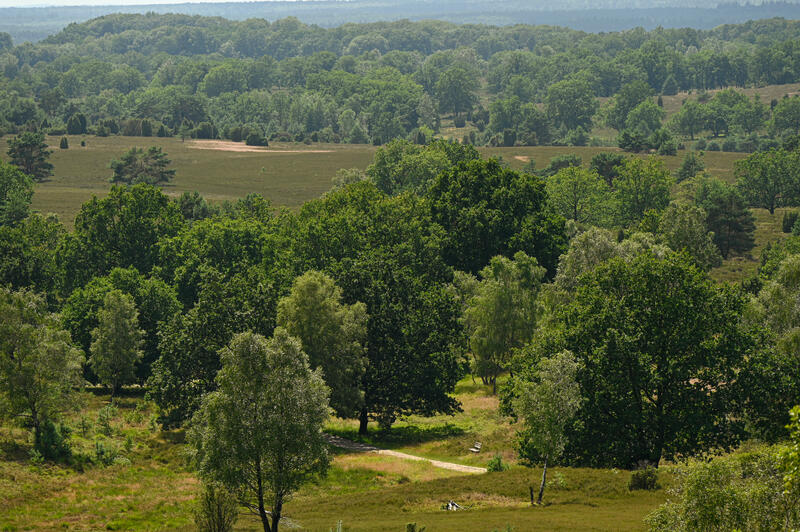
148, 75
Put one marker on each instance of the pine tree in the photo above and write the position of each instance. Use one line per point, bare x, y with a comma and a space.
29, 153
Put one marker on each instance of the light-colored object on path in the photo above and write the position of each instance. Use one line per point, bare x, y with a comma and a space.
476, 447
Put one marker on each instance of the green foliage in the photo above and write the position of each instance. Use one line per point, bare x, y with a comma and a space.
629, 96
38, 365
645, 118
770, 179
791, 455
606, 165
116, 342
216, 510
727, 216
456, 89
64, 143
645, 478
789, 220
260, 433
581, 195
691, 166
16, 191
386, 253
743, 491
29, 153
786, 115
142, 166
683, 228
333, 336
693, 344
496, 464
571, 103
642, 184
120, 230
52, 441
488, 210
104, 418
155, 301
501, 316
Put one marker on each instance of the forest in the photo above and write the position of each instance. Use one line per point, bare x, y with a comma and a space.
215, 348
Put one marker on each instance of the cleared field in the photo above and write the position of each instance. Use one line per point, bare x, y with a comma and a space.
287, 174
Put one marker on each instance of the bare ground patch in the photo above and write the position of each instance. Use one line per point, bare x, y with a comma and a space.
224, 145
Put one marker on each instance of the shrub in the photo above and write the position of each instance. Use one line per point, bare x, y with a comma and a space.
460, 121
216, 510
644, 479
104, 417
713, 146
52, 442
496, 464
254, 139
729, 144
700, 144
105, 453
789, 219
64, 144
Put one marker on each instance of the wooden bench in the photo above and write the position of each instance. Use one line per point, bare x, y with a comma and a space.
476, 447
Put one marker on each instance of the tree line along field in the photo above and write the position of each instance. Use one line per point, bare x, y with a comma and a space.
287, 174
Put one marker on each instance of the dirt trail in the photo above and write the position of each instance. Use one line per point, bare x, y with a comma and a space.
343, 443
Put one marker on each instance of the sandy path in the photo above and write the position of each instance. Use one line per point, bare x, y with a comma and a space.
523, 158
360, 447
222, 145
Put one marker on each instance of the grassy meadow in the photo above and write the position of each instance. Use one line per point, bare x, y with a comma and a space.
150, 486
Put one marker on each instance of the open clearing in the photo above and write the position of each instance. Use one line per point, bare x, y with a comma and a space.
226, 145
367, 491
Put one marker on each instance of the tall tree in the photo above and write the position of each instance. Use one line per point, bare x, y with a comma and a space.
571, 103
39, 367
117, 341
29, 153
487, 210
683, 228
728, 217
502, 315
661, 346
16, 191
547, 405
770, 179
142, 166
642, 185
456, 89
260, 433
333, 336
581, 195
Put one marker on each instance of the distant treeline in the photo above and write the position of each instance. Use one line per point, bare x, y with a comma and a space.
211, 77
34, 24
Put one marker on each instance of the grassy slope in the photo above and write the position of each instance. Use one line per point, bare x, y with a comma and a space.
366, 491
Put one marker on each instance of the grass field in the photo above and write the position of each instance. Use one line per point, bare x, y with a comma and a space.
369, 492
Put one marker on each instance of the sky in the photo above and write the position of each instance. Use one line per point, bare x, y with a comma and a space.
46, 3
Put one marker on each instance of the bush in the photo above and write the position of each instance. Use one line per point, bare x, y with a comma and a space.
789, 220
744, 491
644, 479
460, 121
105, 453
254, 139
713, 146
52, 442
104, 417
729, 144
700, 144
64, 144
496, 464
216, 510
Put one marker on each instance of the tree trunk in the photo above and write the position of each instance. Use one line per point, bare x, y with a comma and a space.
530, 488
363, 419
544, 479
276, 512
262, 512
494, 383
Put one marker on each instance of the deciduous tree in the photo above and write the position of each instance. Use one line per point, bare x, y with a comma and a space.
260, 433
116, 341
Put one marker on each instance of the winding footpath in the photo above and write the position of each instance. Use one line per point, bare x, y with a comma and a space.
344, 443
